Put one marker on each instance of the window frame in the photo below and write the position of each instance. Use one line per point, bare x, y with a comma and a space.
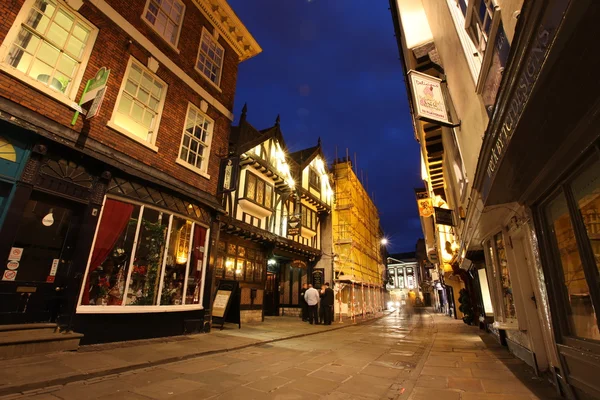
258, 260
253, 199
112, 124
201, 71
317, 179
305, 213
179, 26
203, 170
124, 308
69, 97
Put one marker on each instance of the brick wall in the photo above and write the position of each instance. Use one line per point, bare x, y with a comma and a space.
112, 49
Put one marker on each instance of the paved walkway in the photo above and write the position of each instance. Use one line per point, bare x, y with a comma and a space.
29, 374
397, 357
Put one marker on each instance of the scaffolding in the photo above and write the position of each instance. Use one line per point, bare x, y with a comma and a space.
357, 244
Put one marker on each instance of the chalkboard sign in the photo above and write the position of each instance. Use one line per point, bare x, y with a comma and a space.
318, 276
226, 304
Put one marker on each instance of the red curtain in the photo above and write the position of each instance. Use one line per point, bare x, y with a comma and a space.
115, 218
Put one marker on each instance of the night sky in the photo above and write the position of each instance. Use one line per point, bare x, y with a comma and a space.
330, 68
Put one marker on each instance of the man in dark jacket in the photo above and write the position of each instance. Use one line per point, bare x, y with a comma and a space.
303, 303
327, 299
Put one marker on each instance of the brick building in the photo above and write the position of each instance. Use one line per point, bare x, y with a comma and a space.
107, 219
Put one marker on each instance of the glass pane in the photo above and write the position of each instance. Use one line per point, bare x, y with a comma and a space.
196, 265
258, 271
109, 265
582, 317
250, 186
177, 259
260, 192
239, 269
249, 271
125, 105
241, 251
219, 267
231, 248
143, 288
229, 267
507, 291
586, 189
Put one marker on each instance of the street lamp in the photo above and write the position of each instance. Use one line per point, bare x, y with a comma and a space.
384, 241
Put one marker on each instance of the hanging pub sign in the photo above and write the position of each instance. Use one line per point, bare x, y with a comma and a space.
293, 225
298, 264
443, 216
424, 203
228, 174
428, 98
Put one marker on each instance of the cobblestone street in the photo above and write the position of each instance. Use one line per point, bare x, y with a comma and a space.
425, 356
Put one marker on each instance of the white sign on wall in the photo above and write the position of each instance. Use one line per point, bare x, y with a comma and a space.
428, 97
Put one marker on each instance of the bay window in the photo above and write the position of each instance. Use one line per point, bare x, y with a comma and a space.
259, 191
48, 47
144, 257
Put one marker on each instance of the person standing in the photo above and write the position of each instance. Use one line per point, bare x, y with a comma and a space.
303, 302
327, 300
312, 299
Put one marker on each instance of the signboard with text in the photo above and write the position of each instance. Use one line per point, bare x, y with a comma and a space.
428, 97
228, 174
443, 216
93, 95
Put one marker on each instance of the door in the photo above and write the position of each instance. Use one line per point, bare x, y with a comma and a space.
272, 294
39, 263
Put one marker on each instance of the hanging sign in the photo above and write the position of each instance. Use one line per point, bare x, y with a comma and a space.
54, 267
443, 216
428, 97
15, 253
293, 226
424, 203
298, 264
93, 93
228, 174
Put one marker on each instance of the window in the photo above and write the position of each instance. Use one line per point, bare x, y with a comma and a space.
165, 16
48, 47
259, 191
241, 263
309, 218
573, 220
497, 255
195, 143
480, 25
140, 103
143, 256
314, 180
210, 58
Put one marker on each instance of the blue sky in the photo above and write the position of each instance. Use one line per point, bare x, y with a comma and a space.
330, 68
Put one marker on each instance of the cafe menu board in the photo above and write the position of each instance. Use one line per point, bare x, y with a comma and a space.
220, 303
318, 277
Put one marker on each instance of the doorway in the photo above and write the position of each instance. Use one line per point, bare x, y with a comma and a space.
272, 294
40, 260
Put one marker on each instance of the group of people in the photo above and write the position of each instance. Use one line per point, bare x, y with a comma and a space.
311, 298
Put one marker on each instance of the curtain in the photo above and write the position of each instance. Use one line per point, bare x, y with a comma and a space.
115, 218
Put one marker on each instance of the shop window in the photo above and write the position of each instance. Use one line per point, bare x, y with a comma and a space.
497, 255
144, 257
210, 58
139, 105
258, 191
196, 139
48, 47
166, 17
578, 271
236, 262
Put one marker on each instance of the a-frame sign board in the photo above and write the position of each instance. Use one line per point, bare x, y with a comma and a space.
226, 304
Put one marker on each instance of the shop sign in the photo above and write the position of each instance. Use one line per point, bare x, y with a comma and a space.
228, 174
428, 97
443, 216
9, 275
318, 277
298, 264
424, 203
12, 265
54, 267
15, 253
93, 93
